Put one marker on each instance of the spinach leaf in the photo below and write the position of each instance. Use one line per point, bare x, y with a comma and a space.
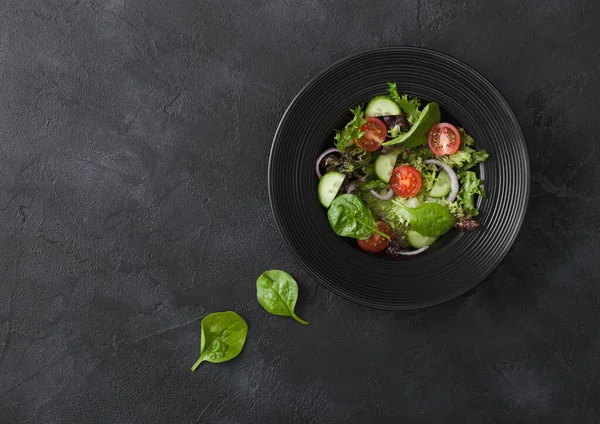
417, 135
431, 219
222, 337
277, 292
349, 217
351, 131
470, 185
409, 105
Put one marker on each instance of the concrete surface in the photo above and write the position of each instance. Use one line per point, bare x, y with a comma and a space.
134, 138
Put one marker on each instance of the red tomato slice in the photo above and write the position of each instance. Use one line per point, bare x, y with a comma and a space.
405, 181
375, 133
444, 139
367, 144
376, 243
375, 129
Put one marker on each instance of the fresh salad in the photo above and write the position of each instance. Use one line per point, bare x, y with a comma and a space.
398, 178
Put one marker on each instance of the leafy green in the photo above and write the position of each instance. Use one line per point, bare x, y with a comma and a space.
458, 159
476, 157
466, 139
431, 219
466, 157
349, 217
355, 162
470, 186
277, 292
410, 105
351, 131
417, 135
222, 337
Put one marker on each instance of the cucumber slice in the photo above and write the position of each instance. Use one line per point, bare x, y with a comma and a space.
418, 240
384, 165
442, 186
329, 186
382, 106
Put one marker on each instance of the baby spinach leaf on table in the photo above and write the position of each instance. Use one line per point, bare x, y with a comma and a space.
417, 135
350, 217
277, 292
222, 337
431, 219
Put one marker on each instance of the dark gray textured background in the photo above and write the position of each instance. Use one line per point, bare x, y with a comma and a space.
134, 139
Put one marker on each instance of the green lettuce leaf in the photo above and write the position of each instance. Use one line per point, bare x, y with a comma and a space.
351, 132
470, 186
409, 105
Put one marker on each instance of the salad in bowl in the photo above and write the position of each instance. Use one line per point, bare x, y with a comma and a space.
397, 178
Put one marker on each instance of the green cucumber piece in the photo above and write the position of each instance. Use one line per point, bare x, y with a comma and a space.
442, 186
384, 165
329, 186
418, 240
382, 106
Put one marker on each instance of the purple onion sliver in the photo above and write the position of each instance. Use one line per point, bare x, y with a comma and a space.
325, 153
387, 196
414, 252
454, 187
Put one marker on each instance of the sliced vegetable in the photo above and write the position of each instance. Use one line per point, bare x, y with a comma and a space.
384, 165
329, 186
405, 181
222, 337
417, 136
375, 129
443, 139
418, 240
442, 185
454, 187
377, 243
382, 106
414, 252
385, 194
277, 292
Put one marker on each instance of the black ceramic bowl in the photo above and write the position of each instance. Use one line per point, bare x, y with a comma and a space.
459, 260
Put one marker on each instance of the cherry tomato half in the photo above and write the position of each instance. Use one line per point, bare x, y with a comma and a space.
376, 243
405, 181
444, 139
375, 133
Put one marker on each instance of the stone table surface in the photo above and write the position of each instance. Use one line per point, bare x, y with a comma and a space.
134, 139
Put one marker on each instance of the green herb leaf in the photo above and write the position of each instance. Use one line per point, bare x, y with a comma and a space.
349, 217
470, 186
222, 337
277, 292
409, 105
351, 132
431, 219
417, 135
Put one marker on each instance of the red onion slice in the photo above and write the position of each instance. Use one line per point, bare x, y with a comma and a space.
320, 158
414, 252
453, 178
386, 194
